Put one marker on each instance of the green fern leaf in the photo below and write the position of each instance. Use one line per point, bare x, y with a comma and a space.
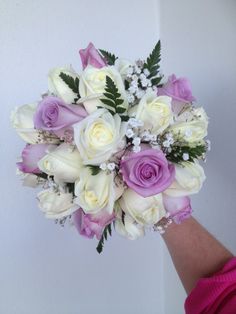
109, 57
152, 62
72, 83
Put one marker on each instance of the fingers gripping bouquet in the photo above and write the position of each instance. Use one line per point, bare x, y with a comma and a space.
116, 145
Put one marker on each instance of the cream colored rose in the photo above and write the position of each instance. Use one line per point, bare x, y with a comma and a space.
58, 87
92, 86
28, 179
144, 210
188, 180
95, 192
22, 119
155, 112
98, 136
64, 163
129, 229
56, 205
122, 66
191, 125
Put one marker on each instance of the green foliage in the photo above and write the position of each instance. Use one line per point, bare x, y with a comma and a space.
113, 101
94, 169
109, 57
124, 118
176, 154
123, 217
107, 231
71, 187
42, 175
152, 64
156, 80
72, 83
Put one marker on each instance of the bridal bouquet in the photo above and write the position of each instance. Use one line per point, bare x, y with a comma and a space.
116, 145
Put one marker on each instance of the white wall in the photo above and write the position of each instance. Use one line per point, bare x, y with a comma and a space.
199, 42
44, 269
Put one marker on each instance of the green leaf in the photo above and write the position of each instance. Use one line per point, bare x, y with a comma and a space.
105, 233
109, 229
94, 169
71, 187
108, 95
104, 237
108, 102
194, 152
124, 118
72, 83
120, 109
42, 175
112, 99
126, 84
123, 217
119, 102
155, 81
99, 247
152, 62
109, 57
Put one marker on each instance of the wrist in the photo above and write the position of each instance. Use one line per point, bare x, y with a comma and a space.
177, 209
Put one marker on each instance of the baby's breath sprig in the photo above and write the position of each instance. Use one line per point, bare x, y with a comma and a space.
181, 153
137, 82
47, 137
62, 221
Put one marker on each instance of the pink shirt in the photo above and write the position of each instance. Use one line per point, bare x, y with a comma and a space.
216, 294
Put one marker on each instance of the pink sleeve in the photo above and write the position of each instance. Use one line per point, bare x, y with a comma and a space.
216, 294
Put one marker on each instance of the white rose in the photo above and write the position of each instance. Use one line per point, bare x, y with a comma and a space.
98, 136
155, 112
22, 119
194, 128
92, 86
188, 180
64, 163
129, 229
28, 179
56, 205
144, 210
95, 192
58, 87
122, 66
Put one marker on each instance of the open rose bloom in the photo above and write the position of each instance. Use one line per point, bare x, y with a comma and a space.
116, 146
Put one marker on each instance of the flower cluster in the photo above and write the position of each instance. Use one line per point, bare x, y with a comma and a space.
115, 145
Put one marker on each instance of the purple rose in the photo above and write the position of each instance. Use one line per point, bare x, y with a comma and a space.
147, 172
178, 207
54, 115
31, 154
91, 56
178, 89
92, 225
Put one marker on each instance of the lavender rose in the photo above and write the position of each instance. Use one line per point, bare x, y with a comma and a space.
147, 172
53, 114
31, 154
91, 56
178, 89
92, 225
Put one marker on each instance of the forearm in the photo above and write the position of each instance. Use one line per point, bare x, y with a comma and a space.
194, 251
